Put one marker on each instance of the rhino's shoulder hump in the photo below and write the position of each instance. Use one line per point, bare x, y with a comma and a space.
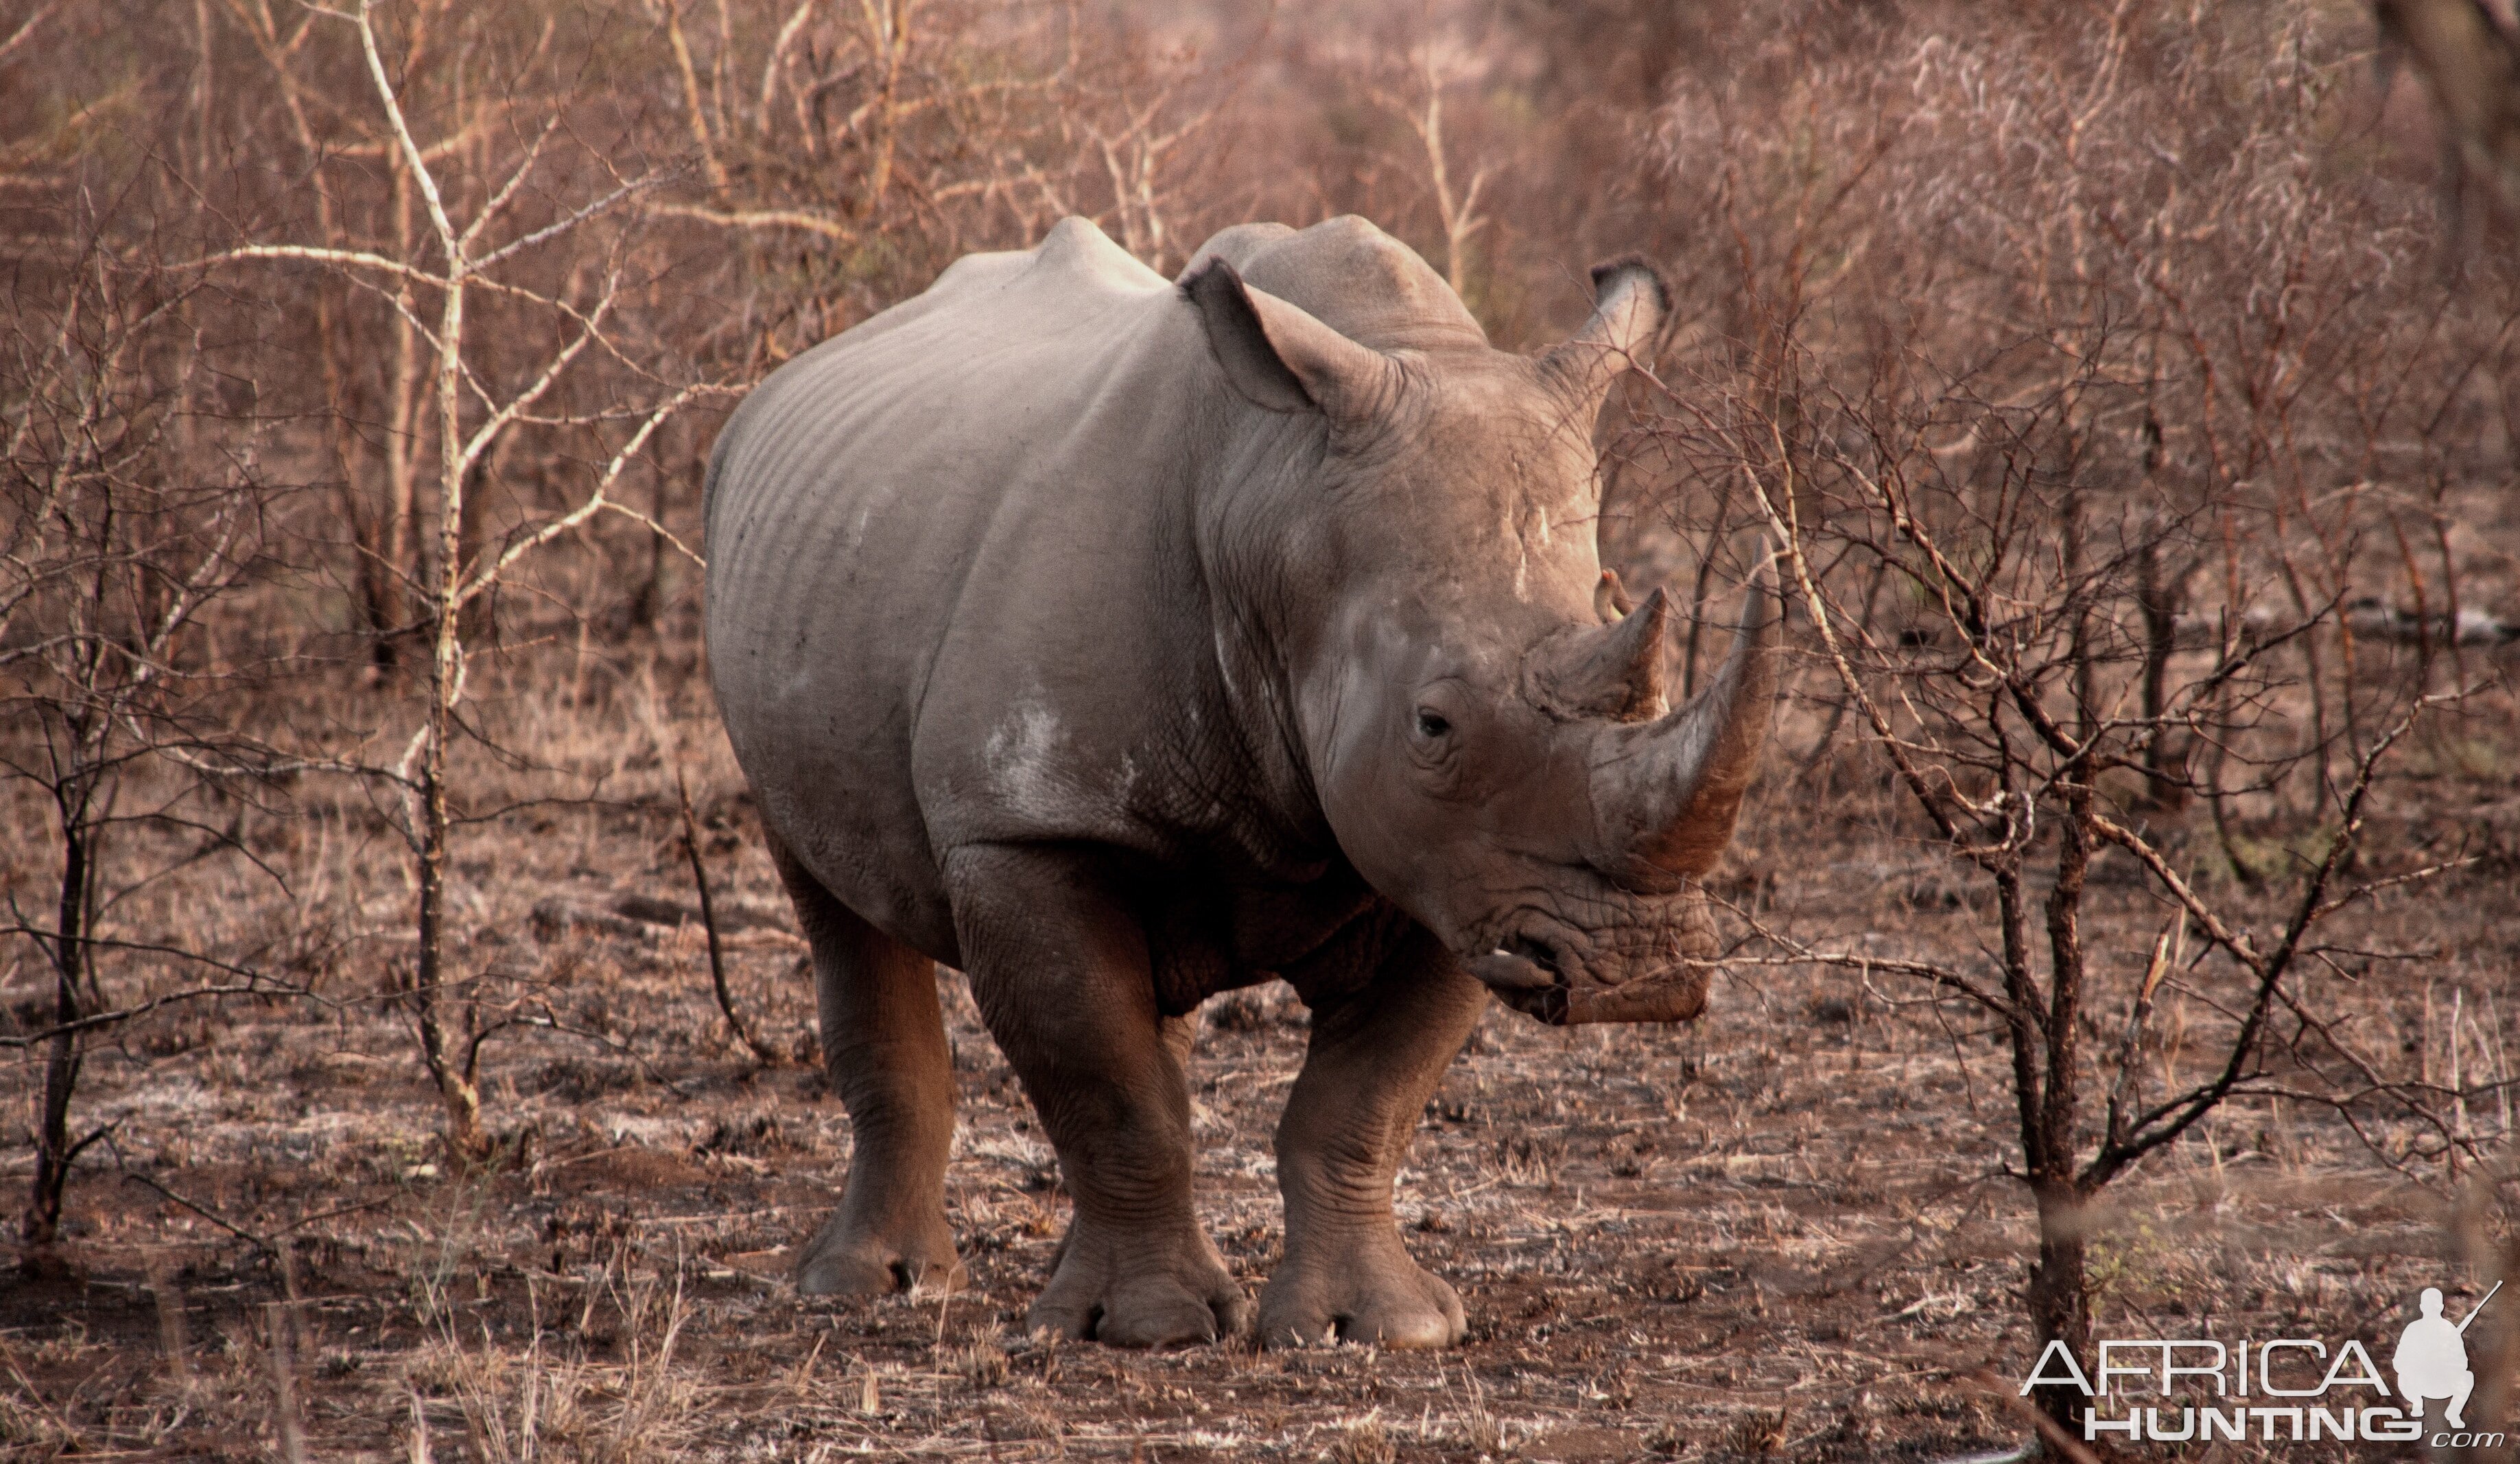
1074, 266
1354, 278
1076, 253
980, 305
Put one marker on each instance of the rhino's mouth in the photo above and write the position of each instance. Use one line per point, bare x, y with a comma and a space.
1651, 969
1528, 975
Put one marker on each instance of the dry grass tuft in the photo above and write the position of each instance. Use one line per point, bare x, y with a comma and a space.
983, 1364
1758, 1433
1363, 1441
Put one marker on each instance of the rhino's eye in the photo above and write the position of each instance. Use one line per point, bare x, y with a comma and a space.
1431, 726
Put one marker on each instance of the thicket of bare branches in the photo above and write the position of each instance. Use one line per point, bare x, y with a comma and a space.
2124, 491
115, 554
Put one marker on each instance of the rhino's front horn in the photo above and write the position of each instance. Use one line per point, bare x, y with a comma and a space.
1607, 671
1665, 794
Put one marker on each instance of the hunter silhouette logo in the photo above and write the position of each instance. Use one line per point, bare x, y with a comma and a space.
2431, 1361
2282, 1390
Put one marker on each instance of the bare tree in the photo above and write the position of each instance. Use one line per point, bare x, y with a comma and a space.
2045, 412
461, 257
112, 557
1457, 211
2003, 724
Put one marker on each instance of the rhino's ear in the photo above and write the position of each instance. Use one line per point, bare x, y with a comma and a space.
1630, 303
1277, 355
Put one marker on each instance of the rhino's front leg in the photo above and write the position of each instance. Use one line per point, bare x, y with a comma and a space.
1060, 969
1374, 1057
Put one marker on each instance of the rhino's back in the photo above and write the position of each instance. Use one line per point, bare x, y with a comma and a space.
903, 509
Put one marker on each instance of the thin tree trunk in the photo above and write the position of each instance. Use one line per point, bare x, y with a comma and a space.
886, 21
1705, 586
709, 922
645, 605
2060, 1298
699, 110
462, 1100
402, 446
41, 1225
2059, 1292
370, 525
2159, 603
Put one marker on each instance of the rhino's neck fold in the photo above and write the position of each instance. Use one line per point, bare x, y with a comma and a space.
1268, 563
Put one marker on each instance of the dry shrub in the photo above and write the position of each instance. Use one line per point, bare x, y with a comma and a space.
2129, 481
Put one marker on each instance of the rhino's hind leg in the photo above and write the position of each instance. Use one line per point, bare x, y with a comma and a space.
884, 1049
1060, 972
1374, 1057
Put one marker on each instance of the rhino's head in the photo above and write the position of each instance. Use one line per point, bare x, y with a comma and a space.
1486, 730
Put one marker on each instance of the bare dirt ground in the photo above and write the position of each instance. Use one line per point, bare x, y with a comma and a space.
1784, 1232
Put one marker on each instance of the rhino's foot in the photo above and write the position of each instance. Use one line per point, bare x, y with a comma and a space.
1135, 1290
1370, 1293
846, 1259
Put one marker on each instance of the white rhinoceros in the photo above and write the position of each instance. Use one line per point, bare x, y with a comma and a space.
1123, 640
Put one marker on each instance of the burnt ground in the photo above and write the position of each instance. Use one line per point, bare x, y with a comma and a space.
1785, 1232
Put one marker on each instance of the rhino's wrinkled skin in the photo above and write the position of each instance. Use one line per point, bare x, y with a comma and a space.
1121, 641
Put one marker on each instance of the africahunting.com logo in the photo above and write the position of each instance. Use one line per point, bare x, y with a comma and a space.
2253, 1387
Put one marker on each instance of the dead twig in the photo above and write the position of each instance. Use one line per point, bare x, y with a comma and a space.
769, 1057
